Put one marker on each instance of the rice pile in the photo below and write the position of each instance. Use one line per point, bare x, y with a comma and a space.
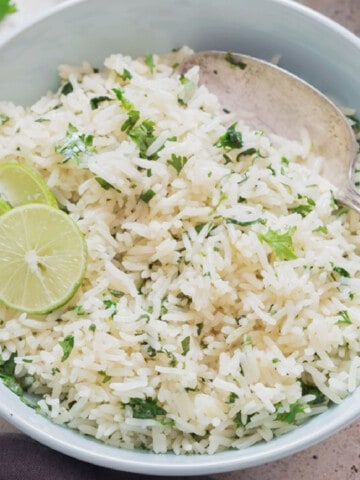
221, 302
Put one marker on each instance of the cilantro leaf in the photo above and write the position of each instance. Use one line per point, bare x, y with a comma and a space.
75, 145
133, 117
125, 103
294, 409
178, 162
281, 243
7, 7
67, 345
145, 408
149, 61
147, 196
143, 136
262, 221
95, 101
185, 344
230, 139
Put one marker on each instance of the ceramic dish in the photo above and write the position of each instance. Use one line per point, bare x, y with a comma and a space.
310, 45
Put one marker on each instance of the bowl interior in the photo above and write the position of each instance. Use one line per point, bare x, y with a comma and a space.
310, 46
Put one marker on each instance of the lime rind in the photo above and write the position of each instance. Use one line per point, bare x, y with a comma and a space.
4, 207
20, 184
43, 258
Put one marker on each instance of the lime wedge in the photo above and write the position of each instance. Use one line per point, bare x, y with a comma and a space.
20, 184
4, 207
43, 258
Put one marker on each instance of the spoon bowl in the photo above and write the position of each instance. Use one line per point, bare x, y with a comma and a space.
281, 103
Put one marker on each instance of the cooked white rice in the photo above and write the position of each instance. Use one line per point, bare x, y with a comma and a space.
193, 332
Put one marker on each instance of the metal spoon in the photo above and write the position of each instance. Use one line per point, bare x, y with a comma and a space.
284, 104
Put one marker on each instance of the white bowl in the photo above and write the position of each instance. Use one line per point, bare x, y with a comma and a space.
310, 45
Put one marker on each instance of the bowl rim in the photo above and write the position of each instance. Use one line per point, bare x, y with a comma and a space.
44, 431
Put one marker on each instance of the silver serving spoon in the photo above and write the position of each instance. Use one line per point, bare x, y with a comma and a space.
284, 104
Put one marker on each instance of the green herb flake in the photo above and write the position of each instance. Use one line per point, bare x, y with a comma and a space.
345, 318
233, 221
110, 304
76, 144
231, 398
67, 345
146, 408
78, 309
95, 101
67, 88
4, 118
130, 122
321, 229
149, 62
280, 243
147, 196
305, 206
143, 136
123, 100
185, 345
7, 7
106, 378
231, 138
295, 409
248, 340
103, 183
234, 61
178, 162
341, 271
125, 75
92, 327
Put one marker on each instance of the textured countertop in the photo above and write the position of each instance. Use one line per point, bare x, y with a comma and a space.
337, 458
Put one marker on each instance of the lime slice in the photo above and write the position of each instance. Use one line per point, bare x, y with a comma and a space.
4, 207
43, 258
20, 184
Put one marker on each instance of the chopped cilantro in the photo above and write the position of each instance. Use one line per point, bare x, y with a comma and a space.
345, 319
262, 221
116, 293
110, 304
147, 196
305, 206
146, 408
103, 183
67, 88
341, 271
92, 327
4, 118
78, 309
7, 7
321, 229
95, 101
185, 344
230, 139
143, 136
294, 409
75, 145
178, 162
67, 345
149, 62
125, 75
281, 243
122, 99
133, 117
231, 398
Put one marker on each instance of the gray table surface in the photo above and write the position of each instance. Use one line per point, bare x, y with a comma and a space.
337, 458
